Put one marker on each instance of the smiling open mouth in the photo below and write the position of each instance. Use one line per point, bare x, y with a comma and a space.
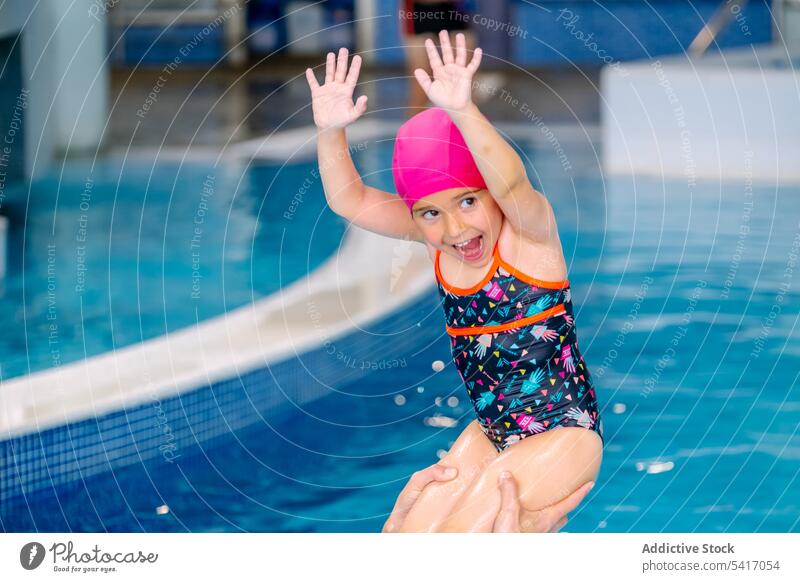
471, 249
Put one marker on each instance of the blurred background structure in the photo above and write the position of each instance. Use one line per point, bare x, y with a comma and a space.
106, 50
193, 341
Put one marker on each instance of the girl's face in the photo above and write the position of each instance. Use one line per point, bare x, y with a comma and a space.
462, 222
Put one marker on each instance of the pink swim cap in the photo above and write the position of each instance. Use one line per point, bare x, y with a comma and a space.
430, 155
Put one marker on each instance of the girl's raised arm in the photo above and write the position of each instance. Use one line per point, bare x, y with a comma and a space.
526, 209
347, 195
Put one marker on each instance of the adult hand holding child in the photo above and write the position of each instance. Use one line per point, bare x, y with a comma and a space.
512, 517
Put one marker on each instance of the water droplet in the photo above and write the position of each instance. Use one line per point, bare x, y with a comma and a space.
399, 400
162, 510
619, 408
421, 389
452, 402
438, 366
654, 467
440, 421
660, 467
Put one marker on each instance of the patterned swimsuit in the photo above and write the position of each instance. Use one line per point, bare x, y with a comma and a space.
514, 345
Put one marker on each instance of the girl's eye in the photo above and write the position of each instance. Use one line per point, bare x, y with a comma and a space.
470, 201
429, 214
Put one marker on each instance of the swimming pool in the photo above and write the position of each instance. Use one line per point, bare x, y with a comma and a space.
683, 315
108, 254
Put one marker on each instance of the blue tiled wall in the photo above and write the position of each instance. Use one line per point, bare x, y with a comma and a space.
625, 29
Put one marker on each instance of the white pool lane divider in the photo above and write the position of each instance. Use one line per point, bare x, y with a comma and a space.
369, 277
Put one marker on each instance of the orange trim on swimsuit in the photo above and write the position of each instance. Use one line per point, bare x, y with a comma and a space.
532, 280
477, 330
496, 260
477, 286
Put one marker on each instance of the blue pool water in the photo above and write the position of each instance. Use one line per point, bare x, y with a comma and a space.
109, 254
687, 309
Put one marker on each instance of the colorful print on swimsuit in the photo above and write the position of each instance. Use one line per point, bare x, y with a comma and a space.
515, 347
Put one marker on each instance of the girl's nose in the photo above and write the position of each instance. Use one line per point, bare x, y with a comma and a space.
453, 226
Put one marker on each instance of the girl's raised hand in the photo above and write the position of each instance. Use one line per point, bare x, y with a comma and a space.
332, 102
451, 87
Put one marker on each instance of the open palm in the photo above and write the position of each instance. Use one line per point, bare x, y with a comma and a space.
451, 87
332, 102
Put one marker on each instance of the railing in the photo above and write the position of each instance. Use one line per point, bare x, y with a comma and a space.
721, 18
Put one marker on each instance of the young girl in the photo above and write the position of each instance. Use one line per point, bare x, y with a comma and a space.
499, 266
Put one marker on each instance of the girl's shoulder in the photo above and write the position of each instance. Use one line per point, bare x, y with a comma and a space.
538, 260
529, 260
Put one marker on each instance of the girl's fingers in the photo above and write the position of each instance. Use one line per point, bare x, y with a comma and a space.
312, 79
461, 50
330, 67
433, 54
361, 105
341, 66
447, 50
355, 67
557, 527
423, 79
476, 60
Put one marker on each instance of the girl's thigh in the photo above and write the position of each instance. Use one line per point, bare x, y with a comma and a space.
470, 454
547, 468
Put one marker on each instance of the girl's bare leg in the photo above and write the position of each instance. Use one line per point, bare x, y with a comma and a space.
548, 467
470, 454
